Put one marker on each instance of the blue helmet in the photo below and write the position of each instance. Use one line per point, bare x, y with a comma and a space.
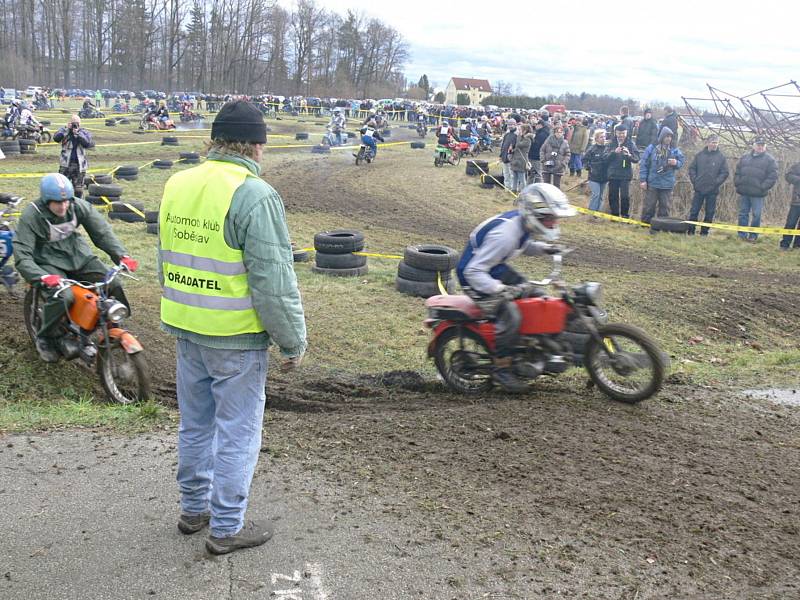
56, 188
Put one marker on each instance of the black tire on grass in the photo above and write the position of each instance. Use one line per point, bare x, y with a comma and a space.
111, 189
670, 225
423, 289
432, 257
151, 216
127, 206
357, 272
339, 261
301, 136
152, 228
417, 145
339, 241
410, 273
128, 217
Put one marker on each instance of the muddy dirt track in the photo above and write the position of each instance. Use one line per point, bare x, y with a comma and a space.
694, 494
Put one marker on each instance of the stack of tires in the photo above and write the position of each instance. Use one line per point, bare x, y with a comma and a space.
111, 122
299, 254
27, 146
130, 211
190, 158
334, 253
162, 164
127, 172
10, 147
477, 167
423, 267
151, 218
103, 194
169, 140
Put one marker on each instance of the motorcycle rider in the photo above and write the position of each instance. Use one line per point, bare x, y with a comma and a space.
162, 114
49, 248
337, 124
485, 131
74, 142
486, 277
446, 134
369, 133
468, 134
422, 126
88, 109
26, 118
12, 116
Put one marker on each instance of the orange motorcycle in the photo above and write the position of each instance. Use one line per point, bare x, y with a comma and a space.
92, 331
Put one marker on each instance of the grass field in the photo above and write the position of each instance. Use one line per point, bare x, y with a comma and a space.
725, 311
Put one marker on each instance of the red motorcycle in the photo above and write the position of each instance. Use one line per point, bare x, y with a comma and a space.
568, 329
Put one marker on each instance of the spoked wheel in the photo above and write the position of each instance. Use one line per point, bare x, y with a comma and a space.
456, 158
628, 367
46, 137
437, 160
32, 311
359, 157
464, 361
124, 376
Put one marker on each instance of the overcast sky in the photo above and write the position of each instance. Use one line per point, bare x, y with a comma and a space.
661, 51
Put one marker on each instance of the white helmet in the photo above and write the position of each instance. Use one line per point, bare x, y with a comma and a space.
542, 205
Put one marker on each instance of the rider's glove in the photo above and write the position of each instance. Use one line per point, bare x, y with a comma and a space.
129, 263
511, 292
51, 281
530, 290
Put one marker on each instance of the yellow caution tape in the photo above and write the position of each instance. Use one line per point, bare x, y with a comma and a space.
727, 227
394, 256
602, 215
442, 287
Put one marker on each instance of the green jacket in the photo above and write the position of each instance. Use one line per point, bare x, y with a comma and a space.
256, 224
33, 248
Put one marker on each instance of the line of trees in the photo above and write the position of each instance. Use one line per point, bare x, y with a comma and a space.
602, 103
239, 46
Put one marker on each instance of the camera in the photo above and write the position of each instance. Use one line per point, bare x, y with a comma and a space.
549, 163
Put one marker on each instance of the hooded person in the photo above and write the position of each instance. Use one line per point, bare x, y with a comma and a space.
657, 169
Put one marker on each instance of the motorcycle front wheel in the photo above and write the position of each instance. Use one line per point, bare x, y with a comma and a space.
123, 376
456, 158
464, 361
437, 161
32, 311
46, 137
359, 157
628, 366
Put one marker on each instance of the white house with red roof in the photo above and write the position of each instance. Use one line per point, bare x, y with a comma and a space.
476, 89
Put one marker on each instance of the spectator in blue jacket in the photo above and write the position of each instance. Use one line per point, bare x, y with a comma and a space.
657, 169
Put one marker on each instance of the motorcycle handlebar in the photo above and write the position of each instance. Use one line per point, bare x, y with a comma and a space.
555, 275
119, 269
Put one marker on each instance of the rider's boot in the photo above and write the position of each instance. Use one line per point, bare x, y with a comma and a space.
47, 349
503, 375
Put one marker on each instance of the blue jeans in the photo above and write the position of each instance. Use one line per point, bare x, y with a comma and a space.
221, 400
747, 204
369, 141
575, 162
517, 181
596, 201
792, 222
710, 202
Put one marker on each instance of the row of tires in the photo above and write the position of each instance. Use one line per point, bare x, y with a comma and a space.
334, 253
15, 147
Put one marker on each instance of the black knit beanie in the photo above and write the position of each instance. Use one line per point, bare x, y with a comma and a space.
239, 121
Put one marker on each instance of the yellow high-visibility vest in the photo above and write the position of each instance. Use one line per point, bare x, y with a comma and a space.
205, 280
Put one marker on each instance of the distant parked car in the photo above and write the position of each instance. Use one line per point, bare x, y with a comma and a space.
32, 90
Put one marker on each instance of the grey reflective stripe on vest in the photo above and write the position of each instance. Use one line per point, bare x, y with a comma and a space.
220, 267
213, 302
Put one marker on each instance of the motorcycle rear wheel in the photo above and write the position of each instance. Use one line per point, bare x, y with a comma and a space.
437, 161
123, 376
634, 368
467, 371
456, 158
46, 137
359, 157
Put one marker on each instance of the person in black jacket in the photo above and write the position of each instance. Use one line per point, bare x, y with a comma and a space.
595, 160
622, 155
708, 172
793, 219
542, 133
670, 120
756, 174
647, 132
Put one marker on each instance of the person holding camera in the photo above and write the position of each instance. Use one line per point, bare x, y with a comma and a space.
74, 142
622, 155
554, 155
657, 175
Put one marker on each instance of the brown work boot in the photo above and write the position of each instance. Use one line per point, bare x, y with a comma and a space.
252, 534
